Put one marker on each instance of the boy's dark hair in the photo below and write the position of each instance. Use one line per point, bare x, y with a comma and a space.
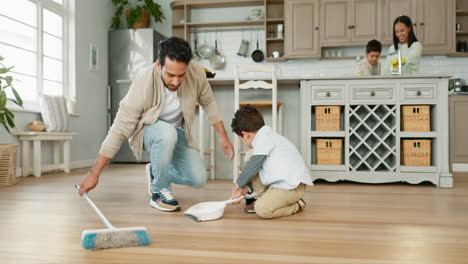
411, 38
175, 49
248, 119
374, 45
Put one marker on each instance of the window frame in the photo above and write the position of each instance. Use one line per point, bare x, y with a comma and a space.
61, 10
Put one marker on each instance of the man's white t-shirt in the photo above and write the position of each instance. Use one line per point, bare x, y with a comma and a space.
284, 167
171, 111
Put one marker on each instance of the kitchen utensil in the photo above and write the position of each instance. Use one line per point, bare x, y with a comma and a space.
396, 70
217, 59
205, 50
208, 210
275, 54
257, 55
244, 47
196, 56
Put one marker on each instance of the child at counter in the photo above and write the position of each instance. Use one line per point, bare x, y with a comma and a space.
370, 64
276, 171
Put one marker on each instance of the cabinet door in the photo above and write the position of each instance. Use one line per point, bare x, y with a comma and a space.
336, 22
391, 10
301, 22
367, 18
458, 107
435, 28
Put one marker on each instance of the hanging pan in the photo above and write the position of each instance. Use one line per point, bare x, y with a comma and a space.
257, 55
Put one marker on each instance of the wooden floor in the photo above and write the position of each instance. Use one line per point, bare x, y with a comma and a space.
41, 220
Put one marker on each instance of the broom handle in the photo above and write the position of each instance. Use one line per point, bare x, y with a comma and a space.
98, 212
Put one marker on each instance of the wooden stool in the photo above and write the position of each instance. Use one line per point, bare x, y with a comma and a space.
201, 140
37, 138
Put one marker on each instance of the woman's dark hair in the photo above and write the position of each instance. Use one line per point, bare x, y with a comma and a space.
411, 38
175, 49
374, 45
247, 119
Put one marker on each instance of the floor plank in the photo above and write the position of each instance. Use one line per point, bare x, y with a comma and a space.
41, 220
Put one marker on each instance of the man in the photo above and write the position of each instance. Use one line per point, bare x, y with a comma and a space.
157, 114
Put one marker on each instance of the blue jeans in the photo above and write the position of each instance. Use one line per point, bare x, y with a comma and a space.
172, 160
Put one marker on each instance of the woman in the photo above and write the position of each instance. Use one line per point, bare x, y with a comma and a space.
405, 41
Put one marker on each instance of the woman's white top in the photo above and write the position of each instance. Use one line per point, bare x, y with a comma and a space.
411, 54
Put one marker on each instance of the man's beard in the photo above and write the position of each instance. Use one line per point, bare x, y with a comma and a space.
167, 86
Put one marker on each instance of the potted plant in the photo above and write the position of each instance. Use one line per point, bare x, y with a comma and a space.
8, 152
137, 13
71, 105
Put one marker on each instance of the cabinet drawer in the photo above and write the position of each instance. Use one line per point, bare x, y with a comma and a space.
328, 94
413, 92
372, 93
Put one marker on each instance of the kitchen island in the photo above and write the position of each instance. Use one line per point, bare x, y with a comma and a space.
371, 138
371, 158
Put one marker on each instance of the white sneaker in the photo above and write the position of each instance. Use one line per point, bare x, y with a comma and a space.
149, 177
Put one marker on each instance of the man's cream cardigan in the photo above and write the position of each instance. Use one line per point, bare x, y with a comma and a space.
144, 100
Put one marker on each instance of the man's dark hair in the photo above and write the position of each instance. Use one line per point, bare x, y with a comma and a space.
374, 45
175, 49
411, 37
247, 119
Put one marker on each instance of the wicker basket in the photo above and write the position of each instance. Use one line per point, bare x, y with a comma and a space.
416, 152
8, 164
329, 151
416, 118
327, 118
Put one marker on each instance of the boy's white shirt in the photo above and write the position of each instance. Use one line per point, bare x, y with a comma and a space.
284, 167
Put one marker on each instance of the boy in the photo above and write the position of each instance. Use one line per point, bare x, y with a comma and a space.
276, 170
370, 65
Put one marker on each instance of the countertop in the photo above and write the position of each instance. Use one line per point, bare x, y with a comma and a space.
296, 80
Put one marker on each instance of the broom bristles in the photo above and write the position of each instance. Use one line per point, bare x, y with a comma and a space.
115, 238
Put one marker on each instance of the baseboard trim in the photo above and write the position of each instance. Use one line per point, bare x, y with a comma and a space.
461, 167
77, 164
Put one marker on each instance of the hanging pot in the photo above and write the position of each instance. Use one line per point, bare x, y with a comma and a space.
205, 50
217, 60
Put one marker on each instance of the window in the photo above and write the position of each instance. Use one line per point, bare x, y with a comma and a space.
33, 40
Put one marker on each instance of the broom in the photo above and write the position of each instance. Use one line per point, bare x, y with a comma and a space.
112, 237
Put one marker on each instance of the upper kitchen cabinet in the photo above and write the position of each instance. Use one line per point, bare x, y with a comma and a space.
461, 28
349, 22
302, 25
391, 10
433, 22
436, 25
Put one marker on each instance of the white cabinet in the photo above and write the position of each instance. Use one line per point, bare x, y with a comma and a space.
372, 133
349, 22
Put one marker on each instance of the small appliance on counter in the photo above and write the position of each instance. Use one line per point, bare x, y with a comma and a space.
457, 85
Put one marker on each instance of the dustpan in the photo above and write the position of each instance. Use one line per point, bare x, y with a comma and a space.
208, 211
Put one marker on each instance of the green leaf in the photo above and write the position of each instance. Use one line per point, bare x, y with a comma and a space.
3, 98
9, 80
5, 126
10, 118
18, 98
